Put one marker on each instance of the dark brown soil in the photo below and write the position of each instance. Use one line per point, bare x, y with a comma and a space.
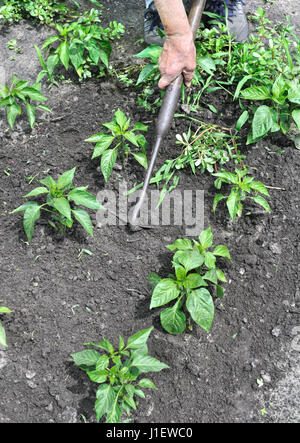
60, 302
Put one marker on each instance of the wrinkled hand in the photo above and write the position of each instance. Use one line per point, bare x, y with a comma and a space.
178, 56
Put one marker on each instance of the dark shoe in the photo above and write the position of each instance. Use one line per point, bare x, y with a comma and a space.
237, 20
152, 24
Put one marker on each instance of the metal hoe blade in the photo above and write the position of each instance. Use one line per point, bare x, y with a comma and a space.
166, 115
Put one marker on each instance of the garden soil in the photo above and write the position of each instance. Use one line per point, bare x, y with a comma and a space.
247, 368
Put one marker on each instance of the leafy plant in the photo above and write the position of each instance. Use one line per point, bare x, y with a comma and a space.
241, 185
3, 310
119, 138
117, 372
205, 150
63, 202
21, 93
194, 266
43, 11
284, 98
83, 44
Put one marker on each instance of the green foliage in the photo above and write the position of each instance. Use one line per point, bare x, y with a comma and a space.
121, 140
195, 267
3, 310
241, 185
204, 150
117, 372
283, 98
84, 44
43, 11
63, 203
21, 93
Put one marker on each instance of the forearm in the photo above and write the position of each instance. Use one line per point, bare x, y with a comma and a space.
173, 16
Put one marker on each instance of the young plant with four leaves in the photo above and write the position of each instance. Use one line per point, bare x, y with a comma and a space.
117, 141
195, 267
21, 93
3, 310
63, 202
117, 372
241, 185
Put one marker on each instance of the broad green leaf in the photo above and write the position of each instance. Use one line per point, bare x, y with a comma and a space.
105, 400
262, 122
50, 40
34, 94
31, 215
294, 95
131, 137
96, 138
152, 51
77, 55
259, 187
180, 272
64, 54
222, 251
262, 202
146, 384
206, 238
145, 363
2, 336
66, 178
140, 127
103, 57
146, 72
102, 145
164, 292
173, 320
30, 110
11, 113
210, 260
98, 376
103, 362
84, 219
278, 87
86, 359
24, 206
233, 203
181, 243
139, 339
84, 198
44, 108
94, 50
296, 117
122, 120
201, 307
62, 205
194, 281
37, 191
211, 275
220, 291
221, 275
256, 93
241, 121
141, 159
207, 64
189, 259
52, 62
114, 415
108, 159
217, 198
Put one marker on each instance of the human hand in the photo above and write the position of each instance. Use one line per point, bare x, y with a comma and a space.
178, 57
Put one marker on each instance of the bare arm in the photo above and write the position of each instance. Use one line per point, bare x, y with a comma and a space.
179, 53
